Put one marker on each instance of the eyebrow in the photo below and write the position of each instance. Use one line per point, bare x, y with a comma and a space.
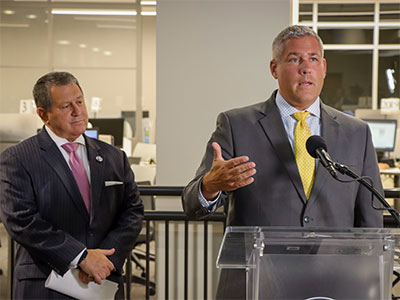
298, 53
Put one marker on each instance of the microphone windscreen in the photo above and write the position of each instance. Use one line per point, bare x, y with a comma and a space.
313, 143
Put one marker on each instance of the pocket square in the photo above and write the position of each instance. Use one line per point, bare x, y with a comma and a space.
110, 183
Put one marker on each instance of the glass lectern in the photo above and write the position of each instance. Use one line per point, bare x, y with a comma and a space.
312, 263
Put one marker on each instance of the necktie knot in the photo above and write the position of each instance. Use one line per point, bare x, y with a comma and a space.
70, 147
301, 115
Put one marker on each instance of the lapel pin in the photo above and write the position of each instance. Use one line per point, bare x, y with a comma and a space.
99, 158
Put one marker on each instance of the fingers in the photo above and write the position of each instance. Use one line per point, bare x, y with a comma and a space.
85, 278
108, 252
227, 176
217, 151
97, 265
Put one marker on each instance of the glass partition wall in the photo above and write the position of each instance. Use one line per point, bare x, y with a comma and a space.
105, 44
362, 48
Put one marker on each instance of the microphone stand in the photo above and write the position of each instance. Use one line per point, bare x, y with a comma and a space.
346, 171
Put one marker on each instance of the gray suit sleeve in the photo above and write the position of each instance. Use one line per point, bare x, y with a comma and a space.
190, 200
364, 216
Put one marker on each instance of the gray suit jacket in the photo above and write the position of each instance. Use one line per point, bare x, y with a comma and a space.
43, 210
276, 197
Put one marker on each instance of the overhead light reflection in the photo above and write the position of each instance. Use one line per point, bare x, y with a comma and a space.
148, 13
148, 2
93, 12
63, 42
8, 12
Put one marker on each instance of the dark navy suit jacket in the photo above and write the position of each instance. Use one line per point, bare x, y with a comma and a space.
43, 210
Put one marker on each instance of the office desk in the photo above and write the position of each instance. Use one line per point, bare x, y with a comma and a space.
395, 172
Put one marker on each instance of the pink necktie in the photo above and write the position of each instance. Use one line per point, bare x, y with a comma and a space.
79, 172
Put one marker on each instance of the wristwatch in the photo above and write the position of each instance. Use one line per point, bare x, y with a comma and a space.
83, 256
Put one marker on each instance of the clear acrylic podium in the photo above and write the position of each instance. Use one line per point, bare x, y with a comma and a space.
312, 263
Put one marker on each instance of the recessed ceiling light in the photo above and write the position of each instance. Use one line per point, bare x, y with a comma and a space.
95, 49
8, 12
107, 53
82, 46
31, 16
63, 42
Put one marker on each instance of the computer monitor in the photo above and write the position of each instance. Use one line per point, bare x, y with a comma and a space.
92, 132
383, 134
111, 126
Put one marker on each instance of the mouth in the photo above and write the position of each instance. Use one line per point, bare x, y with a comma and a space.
305, 84
77, 122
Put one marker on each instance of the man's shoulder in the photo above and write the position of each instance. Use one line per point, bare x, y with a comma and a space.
103, 146
343, 118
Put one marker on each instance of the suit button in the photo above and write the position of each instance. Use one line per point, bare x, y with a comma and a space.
306, 219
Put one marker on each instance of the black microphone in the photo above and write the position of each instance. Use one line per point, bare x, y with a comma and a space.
316, 147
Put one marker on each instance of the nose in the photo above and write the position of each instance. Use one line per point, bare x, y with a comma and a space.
304, 67
75, 109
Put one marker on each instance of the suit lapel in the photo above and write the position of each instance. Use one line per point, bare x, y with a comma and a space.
275, 131
330, 133
57, 162
96, 163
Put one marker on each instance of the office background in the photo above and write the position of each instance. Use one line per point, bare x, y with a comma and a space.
187, 63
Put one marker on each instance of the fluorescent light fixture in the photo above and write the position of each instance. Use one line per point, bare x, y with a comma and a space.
31, 16
107, 19
148, 2
14, 25
108, 26
148, 13
93, 12
8, 12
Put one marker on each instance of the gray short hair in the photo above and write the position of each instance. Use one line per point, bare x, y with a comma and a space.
41, 90
295, 31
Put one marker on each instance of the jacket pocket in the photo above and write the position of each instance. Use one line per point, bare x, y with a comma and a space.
29, 271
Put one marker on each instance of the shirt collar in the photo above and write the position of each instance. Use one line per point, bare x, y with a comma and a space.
286, 110
61, 141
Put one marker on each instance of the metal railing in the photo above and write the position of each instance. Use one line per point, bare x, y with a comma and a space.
173, 216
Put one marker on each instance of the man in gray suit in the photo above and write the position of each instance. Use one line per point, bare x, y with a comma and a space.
57, 224
250, 163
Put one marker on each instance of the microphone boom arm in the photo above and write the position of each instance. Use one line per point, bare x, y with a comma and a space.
346, 171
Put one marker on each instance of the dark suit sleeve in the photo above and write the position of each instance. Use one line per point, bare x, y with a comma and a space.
19, 213
364, 215
190, 200
128, 223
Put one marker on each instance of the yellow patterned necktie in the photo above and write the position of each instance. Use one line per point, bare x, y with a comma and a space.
305, 162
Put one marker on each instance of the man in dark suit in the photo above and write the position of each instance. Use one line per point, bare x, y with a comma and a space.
262, 136
59, 221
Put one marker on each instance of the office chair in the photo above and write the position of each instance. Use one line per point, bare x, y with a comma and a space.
137, 254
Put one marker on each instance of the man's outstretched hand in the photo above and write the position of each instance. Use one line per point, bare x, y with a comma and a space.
226, 175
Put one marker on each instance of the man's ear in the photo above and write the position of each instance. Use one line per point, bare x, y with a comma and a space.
42, 113
273, 65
